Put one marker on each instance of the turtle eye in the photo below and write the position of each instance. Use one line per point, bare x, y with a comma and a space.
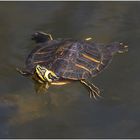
50, 76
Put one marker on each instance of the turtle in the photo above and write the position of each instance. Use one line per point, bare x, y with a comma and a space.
62, 61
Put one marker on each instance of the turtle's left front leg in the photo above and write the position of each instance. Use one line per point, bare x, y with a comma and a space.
41, 88
94, 91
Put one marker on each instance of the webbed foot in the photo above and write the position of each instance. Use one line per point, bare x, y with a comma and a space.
94, 91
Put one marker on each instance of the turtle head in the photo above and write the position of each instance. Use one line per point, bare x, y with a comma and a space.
44, 74
41, 37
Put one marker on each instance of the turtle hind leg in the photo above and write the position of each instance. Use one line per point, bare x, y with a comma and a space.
94, 91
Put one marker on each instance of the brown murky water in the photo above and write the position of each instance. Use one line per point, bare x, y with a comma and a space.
67, 112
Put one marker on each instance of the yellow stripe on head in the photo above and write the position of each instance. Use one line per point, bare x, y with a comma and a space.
38, 72
47, 76
44, 74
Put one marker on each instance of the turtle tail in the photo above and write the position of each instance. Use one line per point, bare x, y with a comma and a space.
117, 47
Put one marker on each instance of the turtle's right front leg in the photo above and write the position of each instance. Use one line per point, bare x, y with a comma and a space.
23, 72
93, 90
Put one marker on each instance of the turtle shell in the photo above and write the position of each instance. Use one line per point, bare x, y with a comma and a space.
70, 59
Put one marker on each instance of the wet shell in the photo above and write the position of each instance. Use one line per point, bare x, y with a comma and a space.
70, 59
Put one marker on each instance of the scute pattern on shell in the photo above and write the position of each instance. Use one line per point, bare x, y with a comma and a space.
70, 59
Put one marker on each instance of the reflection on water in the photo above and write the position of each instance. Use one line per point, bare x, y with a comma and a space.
67, 112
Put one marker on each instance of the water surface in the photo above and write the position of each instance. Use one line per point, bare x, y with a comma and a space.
67, 112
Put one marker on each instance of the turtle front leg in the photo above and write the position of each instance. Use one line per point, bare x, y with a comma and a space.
41, 37
41, 88
23, 72
94, 91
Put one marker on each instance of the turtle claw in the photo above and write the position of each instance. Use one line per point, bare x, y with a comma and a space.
94, 93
